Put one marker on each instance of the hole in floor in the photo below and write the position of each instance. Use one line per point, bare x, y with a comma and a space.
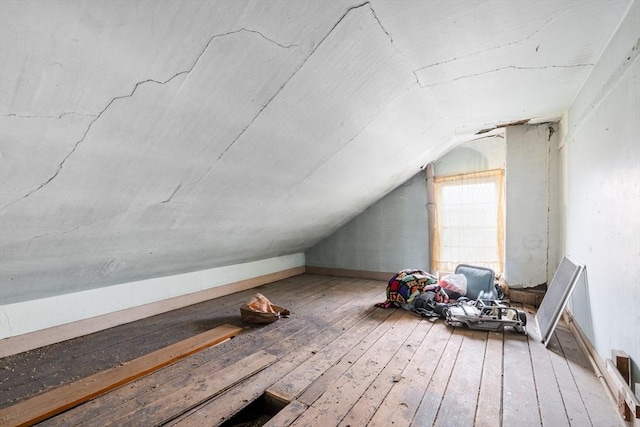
257, 413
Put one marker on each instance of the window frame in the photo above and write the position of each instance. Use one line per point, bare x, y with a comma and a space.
497, 177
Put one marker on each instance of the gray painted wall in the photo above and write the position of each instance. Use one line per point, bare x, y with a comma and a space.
388, 236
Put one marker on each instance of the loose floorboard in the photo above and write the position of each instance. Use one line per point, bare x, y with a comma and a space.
337, 361
56, 401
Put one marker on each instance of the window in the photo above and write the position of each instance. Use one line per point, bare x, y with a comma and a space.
469, 221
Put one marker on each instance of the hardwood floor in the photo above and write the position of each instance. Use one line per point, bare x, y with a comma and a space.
337, 361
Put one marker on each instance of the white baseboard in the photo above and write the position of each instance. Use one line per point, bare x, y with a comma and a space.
32, 324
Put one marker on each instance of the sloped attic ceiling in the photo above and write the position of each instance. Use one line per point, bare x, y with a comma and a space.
142, 139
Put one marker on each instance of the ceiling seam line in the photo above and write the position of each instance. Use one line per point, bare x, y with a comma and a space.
491, 48
508, 67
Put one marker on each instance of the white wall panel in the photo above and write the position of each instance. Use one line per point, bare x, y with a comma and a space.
602, 197
528, 194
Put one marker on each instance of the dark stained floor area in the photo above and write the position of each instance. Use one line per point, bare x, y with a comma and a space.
339, 361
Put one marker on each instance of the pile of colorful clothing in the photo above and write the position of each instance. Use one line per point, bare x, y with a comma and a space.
407, 285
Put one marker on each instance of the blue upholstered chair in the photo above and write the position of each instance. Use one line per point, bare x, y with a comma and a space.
480, 281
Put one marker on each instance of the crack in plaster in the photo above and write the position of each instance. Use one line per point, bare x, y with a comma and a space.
77, 143
349, 10
7, 321
316, 47
508, 67
605, 88
373, 12
96, 117
172, 194
375, 15
480, 52
59, 116
56, 232
39, 236
135, 88
285, 46
271, 246
548, 182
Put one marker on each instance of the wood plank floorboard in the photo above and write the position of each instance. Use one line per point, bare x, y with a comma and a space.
550, 404
596, 405
489, 398
459, 403
198, 389
519, 384
337, 361
301, 350
294, 383
574, 406
396, 371
435, 390
358, 348
49, 367
56, 401
177, 325
335, 402
405, 388
272, 337
287, 415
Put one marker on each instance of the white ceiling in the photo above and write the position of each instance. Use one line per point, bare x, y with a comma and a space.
147, 138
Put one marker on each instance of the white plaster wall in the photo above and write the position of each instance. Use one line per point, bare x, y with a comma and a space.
528, 194
601, 195
24, 317
388, 236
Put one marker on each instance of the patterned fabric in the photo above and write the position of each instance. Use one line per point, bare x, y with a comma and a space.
404, 286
